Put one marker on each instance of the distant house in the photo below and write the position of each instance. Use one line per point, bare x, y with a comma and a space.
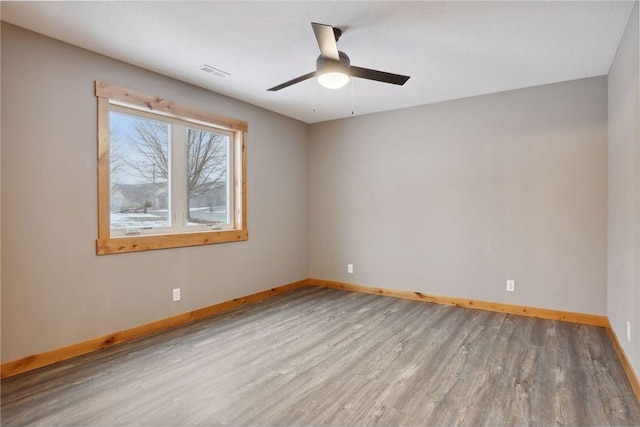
126, 197
216, 196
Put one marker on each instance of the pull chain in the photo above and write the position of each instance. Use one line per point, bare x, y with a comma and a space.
315, 91
352, 84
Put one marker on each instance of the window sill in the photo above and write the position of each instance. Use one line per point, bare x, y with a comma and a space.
119, 245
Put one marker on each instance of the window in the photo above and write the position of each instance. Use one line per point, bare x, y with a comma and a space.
168, 175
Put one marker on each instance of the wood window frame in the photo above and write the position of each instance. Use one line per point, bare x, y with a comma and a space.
108, 94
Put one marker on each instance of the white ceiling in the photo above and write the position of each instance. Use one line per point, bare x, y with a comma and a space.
450, 49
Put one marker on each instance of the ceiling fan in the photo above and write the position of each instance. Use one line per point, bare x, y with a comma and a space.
333, 68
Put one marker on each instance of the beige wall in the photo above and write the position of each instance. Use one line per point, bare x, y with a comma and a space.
55, 290
623, 267
455, 198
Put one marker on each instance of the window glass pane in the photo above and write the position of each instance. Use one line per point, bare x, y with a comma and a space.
207, 184
139, 172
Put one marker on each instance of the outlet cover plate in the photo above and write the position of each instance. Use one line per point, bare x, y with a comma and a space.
511, 285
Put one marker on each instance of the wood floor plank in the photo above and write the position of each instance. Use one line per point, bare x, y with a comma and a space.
326, 357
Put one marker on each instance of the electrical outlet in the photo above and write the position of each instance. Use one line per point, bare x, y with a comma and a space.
511, 285
629, 331
176, 294
350, 268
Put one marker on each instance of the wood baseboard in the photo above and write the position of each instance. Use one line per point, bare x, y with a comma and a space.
540, 313
626, 365
43, 359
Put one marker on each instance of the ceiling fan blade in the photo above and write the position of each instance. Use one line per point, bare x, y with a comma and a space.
292, 82
326, 41
380, 76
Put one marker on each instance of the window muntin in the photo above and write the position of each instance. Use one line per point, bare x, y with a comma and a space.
175, 198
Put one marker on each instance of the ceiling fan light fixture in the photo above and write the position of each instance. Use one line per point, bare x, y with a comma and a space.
333, 74
333, 80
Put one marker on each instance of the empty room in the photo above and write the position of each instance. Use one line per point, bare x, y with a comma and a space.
230, 213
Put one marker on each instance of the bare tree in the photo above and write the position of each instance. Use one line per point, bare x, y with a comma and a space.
117, 162
206, 151
152, 145
207, 161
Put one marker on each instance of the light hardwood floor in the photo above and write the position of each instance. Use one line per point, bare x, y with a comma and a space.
326, 357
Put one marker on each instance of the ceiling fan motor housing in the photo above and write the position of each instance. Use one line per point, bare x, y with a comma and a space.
326, 65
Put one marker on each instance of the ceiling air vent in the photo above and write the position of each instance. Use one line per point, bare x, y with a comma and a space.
212, 70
